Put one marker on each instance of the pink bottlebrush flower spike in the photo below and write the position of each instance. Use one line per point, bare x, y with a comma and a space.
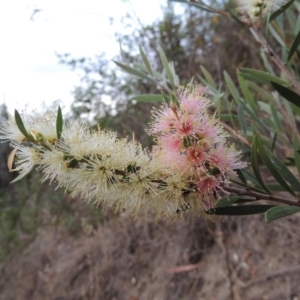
196, 142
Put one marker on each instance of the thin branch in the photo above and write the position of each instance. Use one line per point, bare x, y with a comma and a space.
260, 196
275, 58
221, 12
236, 134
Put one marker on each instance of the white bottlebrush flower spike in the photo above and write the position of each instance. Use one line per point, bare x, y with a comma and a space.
185, 171
256, 8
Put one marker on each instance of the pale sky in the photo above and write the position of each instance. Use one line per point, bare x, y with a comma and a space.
30, 75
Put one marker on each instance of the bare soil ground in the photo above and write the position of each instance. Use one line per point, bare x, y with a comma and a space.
125, 259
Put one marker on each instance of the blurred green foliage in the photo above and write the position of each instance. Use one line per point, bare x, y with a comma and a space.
190, 39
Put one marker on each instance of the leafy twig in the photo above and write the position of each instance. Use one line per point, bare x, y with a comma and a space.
260, 196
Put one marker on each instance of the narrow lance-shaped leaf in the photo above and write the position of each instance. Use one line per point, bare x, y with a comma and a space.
294, 46
20, 124
247, 94
239, 210
276, 118
242, 119
288, 94
275, 187
241, 176
148, 98
236, 18
263, 94
281, 211
266, 62
227, 201
281, 10
284, 171
146, 61
296, 145
255, 167
248, 176
166, 66
208, 77
274, 142
277, 36
59, 123
292, 18
274, 169
165, 97
230, 110
233, 90
142, 68
254, 117
133, 71
260, 76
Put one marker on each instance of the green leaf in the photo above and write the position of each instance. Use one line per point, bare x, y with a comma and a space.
59, 123
274, 142
143, 69
284, 171
281, 211
295, 109
233, 90
275, 187
145, 61
288, 94
227, 201
148, 98
208, 77
174, 100
275, 117
166, 98
254, 117
239, 210
277, 36
20, 125
242, 119
247, 94
265, 59
263, 94
296, 145
269, 159
166, 66
228, 117
234, 17
241, 176
255, 166
260, 76
230, 105
294, 46
281, 10
133, 71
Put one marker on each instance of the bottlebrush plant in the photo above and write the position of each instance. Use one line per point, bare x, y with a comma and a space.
194, 168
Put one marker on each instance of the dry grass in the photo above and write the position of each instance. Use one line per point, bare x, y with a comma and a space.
139, 259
